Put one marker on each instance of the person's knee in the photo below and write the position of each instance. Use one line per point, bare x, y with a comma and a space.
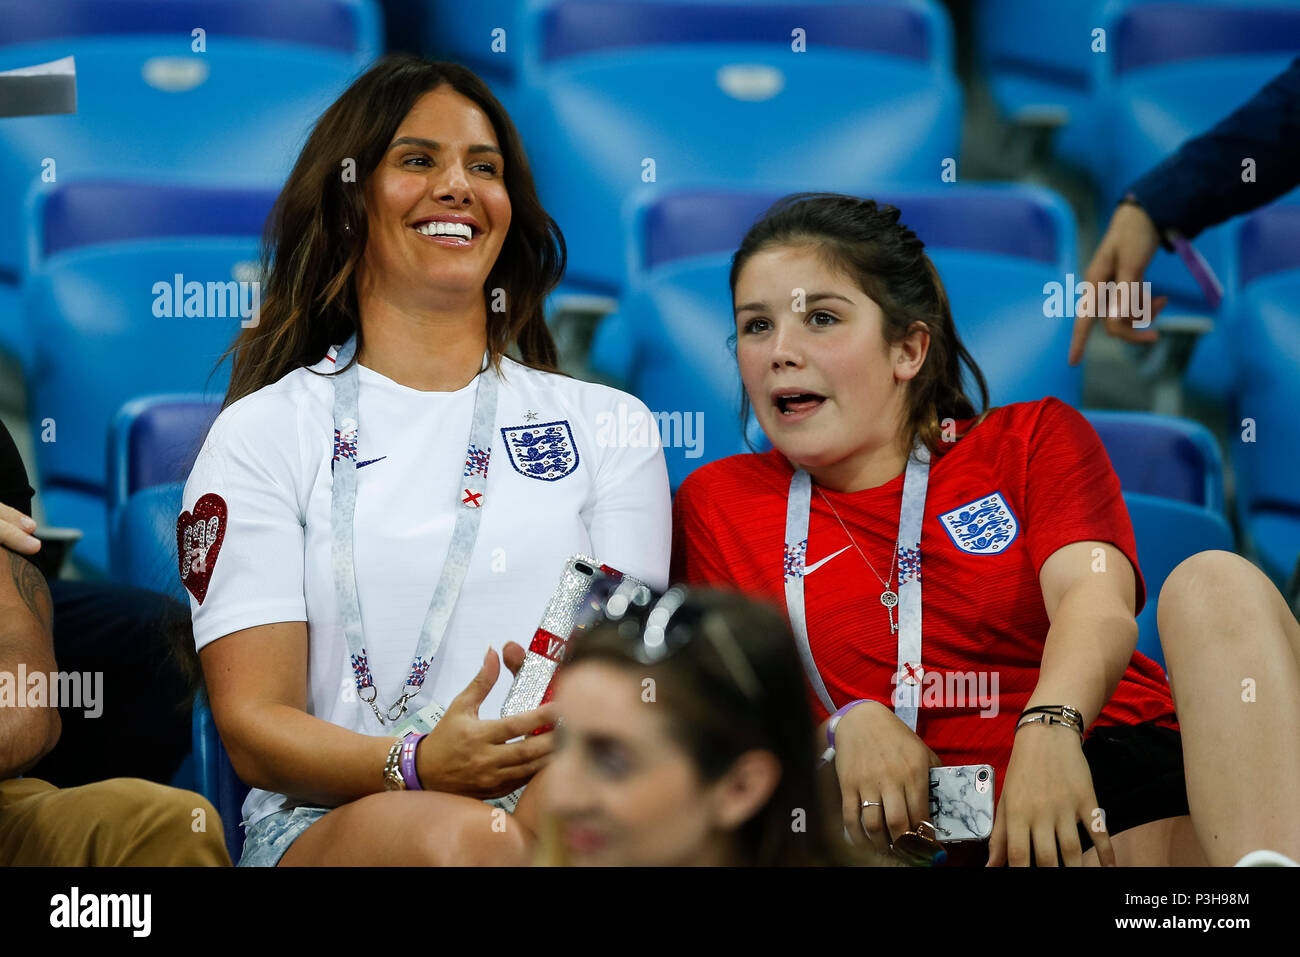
485, 837
1205, 587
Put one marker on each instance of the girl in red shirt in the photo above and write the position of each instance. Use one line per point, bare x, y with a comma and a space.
1026, 632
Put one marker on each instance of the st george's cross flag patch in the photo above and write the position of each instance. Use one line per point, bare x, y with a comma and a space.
984, 526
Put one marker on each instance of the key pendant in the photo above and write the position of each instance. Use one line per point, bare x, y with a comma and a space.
889, 599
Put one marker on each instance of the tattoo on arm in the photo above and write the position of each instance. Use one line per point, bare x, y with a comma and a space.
32, 588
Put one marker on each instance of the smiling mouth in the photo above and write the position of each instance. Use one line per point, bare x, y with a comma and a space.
796, 404
448, 234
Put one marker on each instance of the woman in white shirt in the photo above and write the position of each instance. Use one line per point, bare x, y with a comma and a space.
387, 497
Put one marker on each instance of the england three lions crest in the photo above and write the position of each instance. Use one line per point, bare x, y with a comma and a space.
985, 526
545, 451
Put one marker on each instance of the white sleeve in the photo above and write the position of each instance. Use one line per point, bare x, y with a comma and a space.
631, 518
240, 533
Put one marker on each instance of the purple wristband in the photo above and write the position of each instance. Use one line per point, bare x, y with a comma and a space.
1201, 270
1196, 264
407, 764
830, 730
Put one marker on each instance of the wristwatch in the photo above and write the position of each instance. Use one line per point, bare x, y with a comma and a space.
393, 780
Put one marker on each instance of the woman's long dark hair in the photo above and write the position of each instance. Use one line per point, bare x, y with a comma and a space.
887, 260
716, 722
309, 259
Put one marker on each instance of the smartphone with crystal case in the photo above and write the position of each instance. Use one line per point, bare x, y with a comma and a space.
576, 604
961, 802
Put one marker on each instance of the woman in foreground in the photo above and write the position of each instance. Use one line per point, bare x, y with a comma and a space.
685, 739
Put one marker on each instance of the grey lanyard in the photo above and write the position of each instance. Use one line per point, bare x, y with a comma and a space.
906, 696
343, 507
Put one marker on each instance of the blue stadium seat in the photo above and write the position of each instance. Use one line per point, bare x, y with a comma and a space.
1163, 456
1167, 532
467, 34
145, 555
105, 260
144, 541
153, 441
1173, 71
1171, 472
1037, 60
153, 437
668, 342
215, 777
714, 95
1263, 301
488, 36
150, 106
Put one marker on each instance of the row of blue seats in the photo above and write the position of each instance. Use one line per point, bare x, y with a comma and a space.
873, 101
1125, 82
601, 110
101, 252
998, 251
231, 105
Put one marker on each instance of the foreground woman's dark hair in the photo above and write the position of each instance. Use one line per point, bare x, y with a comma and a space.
716, 718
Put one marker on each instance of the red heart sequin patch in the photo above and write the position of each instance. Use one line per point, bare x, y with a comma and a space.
198, 542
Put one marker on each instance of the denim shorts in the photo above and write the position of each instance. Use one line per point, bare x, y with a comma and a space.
266, 841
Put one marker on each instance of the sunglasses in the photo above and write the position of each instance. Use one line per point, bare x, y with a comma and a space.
658, 629
920, 847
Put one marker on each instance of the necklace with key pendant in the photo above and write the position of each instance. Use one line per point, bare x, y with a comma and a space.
888, 597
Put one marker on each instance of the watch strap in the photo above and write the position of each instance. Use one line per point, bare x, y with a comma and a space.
392, 769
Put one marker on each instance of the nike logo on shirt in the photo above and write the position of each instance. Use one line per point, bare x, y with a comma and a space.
809, 569
371, 461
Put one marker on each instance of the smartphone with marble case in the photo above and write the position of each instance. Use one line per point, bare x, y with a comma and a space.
961, 802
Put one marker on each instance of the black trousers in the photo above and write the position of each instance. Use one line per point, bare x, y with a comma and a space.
141, 643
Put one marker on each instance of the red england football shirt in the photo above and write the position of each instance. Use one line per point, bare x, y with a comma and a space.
982, 604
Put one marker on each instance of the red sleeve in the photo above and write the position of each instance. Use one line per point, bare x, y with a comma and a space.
696, 560
1072, 493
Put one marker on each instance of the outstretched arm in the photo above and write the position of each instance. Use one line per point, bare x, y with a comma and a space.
1202, 184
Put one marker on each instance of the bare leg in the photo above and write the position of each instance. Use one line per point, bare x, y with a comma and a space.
1232, 649
413, 828
1167, 842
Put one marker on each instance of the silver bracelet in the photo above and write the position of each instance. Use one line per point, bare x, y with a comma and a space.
1051, 719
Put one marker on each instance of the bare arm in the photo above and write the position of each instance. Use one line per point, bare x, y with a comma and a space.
26, 637
1088, 588
257, 685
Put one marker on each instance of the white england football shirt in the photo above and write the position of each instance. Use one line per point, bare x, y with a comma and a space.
255, 525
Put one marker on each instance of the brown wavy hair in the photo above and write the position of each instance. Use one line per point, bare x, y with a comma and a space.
865, 240
309, 260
